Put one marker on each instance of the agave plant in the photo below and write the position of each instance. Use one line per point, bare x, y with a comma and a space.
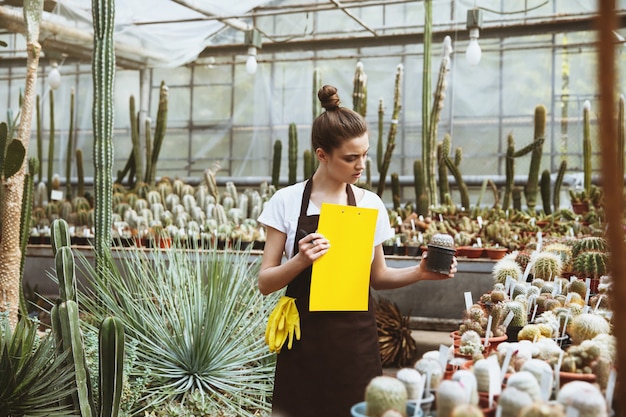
32, 376
198, 320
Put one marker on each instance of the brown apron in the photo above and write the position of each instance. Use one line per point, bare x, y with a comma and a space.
328, 369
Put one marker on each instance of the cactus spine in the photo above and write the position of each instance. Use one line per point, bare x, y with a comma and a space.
587, 147
391, 138
278, 150
359, 93
70, 145
103, 70
293, 152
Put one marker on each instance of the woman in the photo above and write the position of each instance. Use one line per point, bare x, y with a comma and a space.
326, 372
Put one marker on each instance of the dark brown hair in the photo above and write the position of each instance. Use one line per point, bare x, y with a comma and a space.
335, 125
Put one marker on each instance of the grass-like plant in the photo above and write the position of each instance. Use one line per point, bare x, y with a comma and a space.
198, 320
32, 376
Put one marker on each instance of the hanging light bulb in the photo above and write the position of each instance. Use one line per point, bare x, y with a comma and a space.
473, 53
54, 76
251, 63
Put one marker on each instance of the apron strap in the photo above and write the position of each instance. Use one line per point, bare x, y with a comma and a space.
306, 197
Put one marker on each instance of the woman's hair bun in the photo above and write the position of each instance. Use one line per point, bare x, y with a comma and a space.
328, 97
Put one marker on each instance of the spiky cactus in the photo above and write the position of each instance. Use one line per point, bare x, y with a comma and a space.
586, 147
454, 169
385, 393
278, 148
444, 184
359, 92
51, 143
307, 158
591, 264
293, 153
545, 188
69, 154
393, 129
80, 173
68, 337
419, 182
558, 182
547, 266
159, 134
25, 220
530, 190
103, 71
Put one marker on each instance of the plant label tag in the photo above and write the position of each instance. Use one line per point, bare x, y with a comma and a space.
568, 298
487, 332
527, 271
539, 241
557, 372
56, 195
532, 319
587, 296
468, 300
546, 384
505, 362
508, 319
598, 302
610, 387
444, 353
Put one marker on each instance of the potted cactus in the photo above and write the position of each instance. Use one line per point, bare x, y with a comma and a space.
440, 253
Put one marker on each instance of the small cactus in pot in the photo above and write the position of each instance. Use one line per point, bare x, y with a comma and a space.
440, 253
385, 393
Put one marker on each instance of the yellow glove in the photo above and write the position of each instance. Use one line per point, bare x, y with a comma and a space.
283, 323
273, 323
293, 323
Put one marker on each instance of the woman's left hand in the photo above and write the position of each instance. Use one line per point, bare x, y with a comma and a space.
426, 274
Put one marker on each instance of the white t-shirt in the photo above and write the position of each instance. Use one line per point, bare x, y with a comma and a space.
282, 211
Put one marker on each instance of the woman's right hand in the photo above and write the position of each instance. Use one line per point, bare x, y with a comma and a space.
313, 246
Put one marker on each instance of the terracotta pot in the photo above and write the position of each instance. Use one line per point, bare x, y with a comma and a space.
565, 377
496, 253
471, 251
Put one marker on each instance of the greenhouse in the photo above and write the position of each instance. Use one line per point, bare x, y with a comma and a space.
165, 251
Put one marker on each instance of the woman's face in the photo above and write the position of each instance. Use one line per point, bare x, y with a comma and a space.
346, 163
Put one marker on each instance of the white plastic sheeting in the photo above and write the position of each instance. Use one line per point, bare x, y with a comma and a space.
153, 30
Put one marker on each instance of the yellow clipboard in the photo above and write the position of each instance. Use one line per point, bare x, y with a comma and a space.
340, 279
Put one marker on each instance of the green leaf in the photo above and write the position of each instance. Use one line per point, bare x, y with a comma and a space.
14, 159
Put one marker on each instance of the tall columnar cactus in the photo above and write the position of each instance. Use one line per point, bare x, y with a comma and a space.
307, 163
39, 138
317, 84
159, 135
13, 185
103, 71
359, 92
68, 337
453, 166
428, 148
293, 153
278, 150
393, 129
51, 143
444, 184
381, 129
419, 182
509, 171
69, 154
558, 183
25, 220
531, 188
545, 186
433, 121
587, 147
395, 190
80, 173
